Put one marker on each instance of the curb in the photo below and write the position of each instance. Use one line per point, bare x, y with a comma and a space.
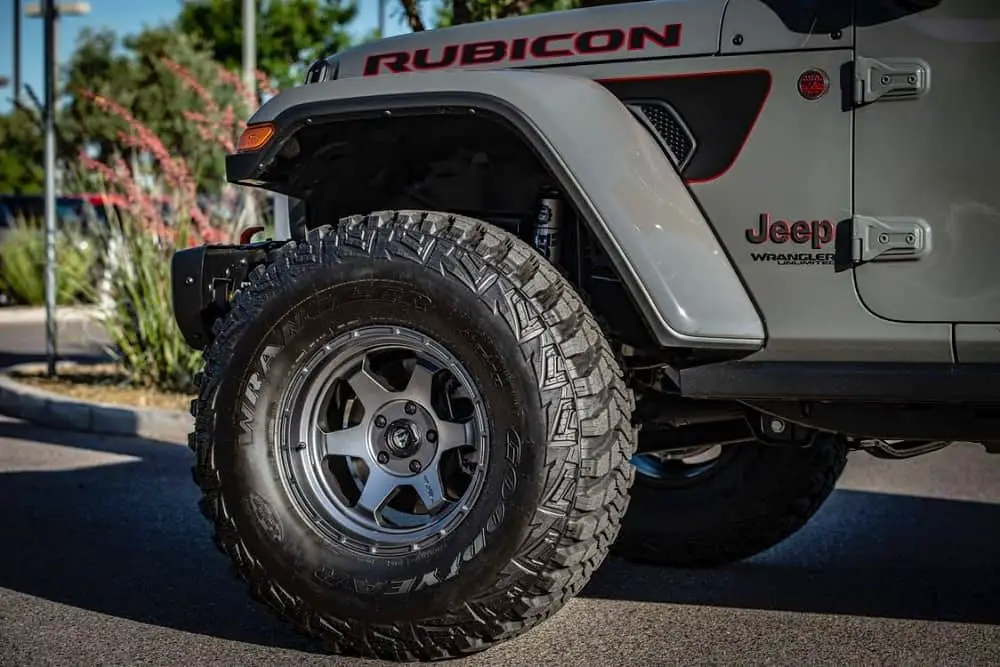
36, 314
44, 408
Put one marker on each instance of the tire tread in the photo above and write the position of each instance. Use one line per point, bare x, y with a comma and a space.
586, 493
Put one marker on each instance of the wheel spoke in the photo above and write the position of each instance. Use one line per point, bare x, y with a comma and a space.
420, 385
346, 442
370, 391
378, 488
452, 435
429, 487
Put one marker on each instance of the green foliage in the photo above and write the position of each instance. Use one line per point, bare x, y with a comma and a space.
139, 317
290, 33
94, 66
22, 154
455, 12
136, 78
22, 264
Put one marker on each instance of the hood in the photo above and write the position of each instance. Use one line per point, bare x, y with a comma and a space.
627, 31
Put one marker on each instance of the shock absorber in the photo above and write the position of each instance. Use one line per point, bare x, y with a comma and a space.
547, 235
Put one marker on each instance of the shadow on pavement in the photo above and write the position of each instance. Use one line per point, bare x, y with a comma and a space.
863, 554
125, 538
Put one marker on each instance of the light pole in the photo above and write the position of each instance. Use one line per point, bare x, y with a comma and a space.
17, 50
250, 81
50, 12
250, 45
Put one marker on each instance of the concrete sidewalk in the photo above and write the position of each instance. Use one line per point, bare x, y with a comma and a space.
36, 314
81, 336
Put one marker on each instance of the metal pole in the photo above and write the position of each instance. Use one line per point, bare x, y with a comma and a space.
381, 19
250, 81
49, 21
17, 50
249, 43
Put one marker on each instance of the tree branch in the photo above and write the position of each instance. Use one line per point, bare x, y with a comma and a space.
515, 8
412, 9
461, 13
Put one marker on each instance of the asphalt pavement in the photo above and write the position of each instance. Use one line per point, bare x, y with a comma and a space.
106, 560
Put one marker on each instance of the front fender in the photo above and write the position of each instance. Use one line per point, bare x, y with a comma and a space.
608, 164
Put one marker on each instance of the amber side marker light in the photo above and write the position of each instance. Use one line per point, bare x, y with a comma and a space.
255, 137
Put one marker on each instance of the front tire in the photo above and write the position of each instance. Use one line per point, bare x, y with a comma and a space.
546, 429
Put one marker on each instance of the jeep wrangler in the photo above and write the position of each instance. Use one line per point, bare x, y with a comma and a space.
635, 277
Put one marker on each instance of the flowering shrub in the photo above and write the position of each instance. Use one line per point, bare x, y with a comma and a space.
162, 208
138, 316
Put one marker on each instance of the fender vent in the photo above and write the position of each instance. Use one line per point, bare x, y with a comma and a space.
667, 126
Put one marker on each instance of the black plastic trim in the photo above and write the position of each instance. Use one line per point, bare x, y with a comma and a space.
891, 421
202, 280
718, 109
871, 382
249, 168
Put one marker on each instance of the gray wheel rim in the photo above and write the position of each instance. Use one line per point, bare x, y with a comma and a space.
380, 463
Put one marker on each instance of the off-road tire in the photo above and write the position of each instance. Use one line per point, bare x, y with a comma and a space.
562, 437
762, 496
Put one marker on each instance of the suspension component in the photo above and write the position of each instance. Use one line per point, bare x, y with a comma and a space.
547, 236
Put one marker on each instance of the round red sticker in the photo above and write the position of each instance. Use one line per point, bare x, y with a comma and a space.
813, 84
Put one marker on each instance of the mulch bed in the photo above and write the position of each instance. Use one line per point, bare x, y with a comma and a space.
102, 383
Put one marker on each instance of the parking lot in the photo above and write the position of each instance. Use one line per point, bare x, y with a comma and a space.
107, 561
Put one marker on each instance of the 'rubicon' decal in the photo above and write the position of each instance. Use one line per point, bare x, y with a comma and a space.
492, 51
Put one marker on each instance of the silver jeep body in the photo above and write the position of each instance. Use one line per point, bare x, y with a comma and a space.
800, 182
694, 253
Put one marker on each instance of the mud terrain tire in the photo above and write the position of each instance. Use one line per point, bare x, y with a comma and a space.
759, 497
555, 485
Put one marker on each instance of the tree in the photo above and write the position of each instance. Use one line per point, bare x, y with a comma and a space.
95, 66
23, 152
291, 34
137, 78
457, 12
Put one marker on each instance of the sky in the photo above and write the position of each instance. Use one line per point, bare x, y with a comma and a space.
125, 17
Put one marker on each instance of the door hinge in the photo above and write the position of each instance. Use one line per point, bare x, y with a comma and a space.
889, 79
889, 239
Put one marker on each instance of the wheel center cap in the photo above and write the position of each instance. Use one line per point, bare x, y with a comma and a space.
401, 438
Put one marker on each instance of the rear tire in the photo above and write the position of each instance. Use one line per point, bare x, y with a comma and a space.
755, 497
553, 469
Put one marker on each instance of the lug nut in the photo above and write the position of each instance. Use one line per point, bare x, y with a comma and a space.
380, 421
415, 466
432, 436
383, 458
411, 407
